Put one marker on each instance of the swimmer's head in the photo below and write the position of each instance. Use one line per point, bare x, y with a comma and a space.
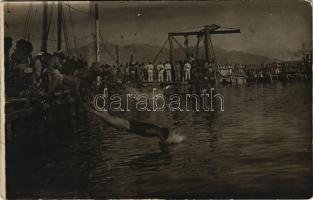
174, 137
164, 133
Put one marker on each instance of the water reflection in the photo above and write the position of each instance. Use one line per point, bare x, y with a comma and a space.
259, 146
151, 160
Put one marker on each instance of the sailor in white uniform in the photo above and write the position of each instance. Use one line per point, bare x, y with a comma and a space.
168, 69
150, 72
187, 68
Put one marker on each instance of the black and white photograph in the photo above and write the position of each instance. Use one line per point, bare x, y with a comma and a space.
156, 99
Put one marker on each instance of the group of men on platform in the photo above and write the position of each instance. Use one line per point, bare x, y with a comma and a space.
167, 68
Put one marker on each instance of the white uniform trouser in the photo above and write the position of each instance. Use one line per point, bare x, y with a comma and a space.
150, 76
187, 74
168, 76
161, 79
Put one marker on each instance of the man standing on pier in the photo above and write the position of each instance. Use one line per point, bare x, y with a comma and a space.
187, 68
168, 69
150, 72
177, 69
160, 69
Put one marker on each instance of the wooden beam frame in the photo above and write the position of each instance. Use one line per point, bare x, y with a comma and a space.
206, 33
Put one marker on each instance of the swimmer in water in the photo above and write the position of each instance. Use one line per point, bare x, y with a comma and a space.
139, 128
136, 127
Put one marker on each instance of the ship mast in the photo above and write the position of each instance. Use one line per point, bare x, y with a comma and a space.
97, 33
44, 37
60, 24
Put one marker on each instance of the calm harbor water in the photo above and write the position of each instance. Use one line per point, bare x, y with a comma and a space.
260, 146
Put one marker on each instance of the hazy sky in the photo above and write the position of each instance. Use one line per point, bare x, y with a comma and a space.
272, 28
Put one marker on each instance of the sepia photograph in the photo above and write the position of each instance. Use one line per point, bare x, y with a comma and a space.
156, 99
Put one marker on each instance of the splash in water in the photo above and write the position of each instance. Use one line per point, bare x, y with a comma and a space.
175, 137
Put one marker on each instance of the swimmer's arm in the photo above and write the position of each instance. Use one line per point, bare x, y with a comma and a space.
144, 129
117, 122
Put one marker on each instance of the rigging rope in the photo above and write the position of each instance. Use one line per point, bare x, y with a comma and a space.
195, 49
160, 51
55, 40
105, 49
181, 46
26, 24
191, 29
78, 10
30, 27
211, 48
73, 32
65, 35
50, 18
227, 27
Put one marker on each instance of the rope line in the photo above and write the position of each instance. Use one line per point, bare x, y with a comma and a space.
65, 32
191, 29
73, 32
50, 18
30, 27
227, 28
105, 49
55, 40
181, 46
26, 23
160, 51
78, 10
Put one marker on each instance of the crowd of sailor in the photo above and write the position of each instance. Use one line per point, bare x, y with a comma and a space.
45, 70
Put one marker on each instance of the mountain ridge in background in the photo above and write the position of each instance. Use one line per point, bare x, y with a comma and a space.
147, 53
